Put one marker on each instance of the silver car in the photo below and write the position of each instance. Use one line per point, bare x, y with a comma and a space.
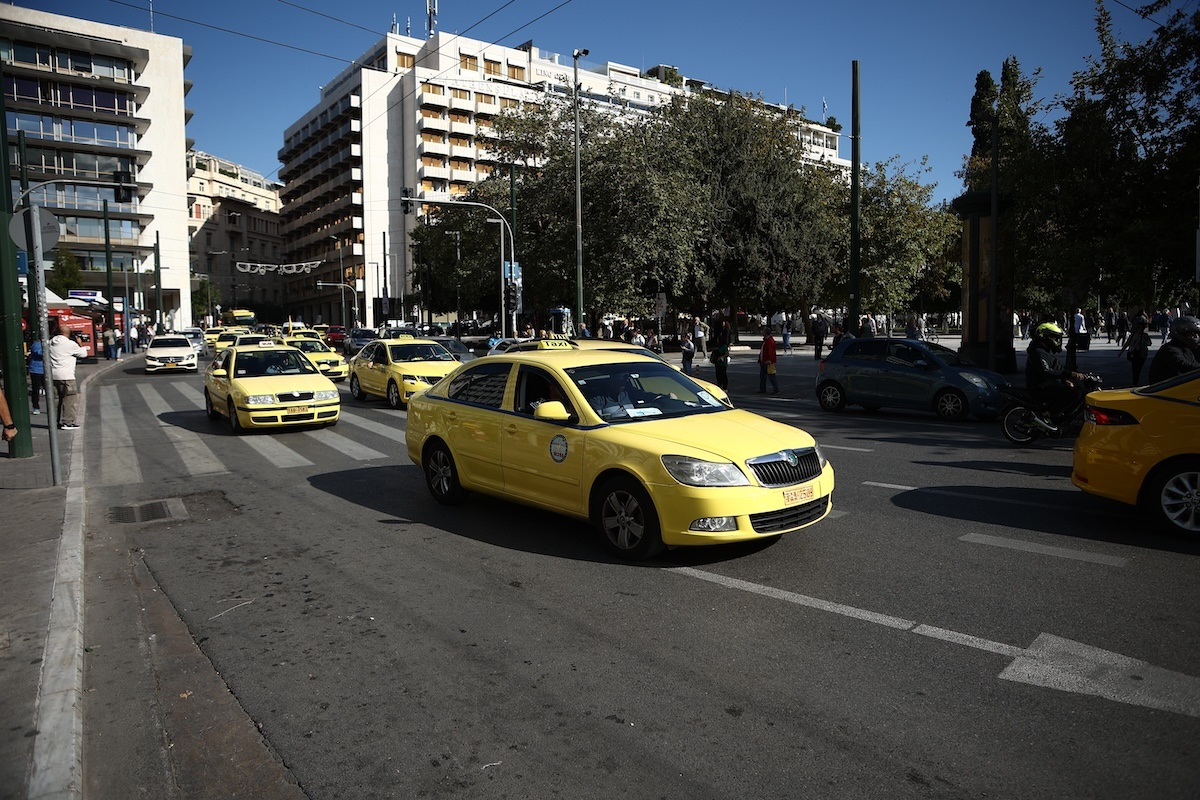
357, 339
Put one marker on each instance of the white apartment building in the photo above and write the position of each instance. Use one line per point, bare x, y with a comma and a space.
412, 113
233, 227
85, 94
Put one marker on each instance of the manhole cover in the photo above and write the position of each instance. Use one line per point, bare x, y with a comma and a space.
148, 512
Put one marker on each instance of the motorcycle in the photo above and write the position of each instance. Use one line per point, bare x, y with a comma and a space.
1026, 419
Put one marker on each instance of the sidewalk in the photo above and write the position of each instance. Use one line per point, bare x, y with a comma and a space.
41, 651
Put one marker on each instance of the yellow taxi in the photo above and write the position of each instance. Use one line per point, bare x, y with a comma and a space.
644, 452
268, 385
396, 369
210, 336
618, 345
322, 331
331, 364
228, 337
1142, 447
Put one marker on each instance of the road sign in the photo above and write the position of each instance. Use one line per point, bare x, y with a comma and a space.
49, 225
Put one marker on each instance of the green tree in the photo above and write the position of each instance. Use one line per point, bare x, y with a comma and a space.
205, 297
67, 274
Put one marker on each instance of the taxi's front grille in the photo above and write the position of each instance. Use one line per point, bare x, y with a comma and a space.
293, 397
788, 518
778, 469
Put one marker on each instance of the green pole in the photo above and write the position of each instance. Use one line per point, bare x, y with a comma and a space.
108, 268
12, 354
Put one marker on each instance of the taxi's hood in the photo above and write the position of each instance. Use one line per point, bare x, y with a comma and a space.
733, 435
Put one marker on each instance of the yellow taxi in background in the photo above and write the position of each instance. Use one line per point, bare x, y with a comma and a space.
227, 338
1142, 447
396, 369
303, 333
210, 336
644, 452
332, 365
268, 385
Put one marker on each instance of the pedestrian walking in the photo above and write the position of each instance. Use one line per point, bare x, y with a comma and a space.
688, 350
1110, 323
1137, 349
700, 336
720, 356
1178, 356
820, 329
1122, 327
767, 362
64, 353
37, 374
110, 343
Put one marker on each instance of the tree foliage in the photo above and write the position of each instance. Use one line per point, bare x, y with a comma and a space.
67, 274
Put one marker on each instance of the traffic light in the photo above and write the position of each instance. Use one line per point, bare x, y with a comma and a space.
123, 191
510, 296
406, 203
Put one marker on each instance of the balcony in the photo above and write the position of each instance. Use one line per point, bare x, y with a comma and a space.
462, 104
430, 100
462, 151
433, 173
433, 124
433, 148
465, 128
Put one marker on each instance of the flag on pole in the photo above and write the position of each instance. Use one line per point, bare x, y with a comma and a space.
824, 109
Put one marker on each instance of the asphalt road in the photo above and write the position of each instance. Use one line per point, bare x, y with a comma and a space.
966, 624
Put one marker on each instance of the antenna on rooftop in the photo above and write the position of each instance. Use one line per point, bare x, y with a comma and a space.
431, 8
408, 26
395, 24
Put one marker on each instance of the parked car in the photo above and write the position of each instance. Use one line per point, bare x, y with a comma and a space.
357, 339
456, 348
335, 337
906, 373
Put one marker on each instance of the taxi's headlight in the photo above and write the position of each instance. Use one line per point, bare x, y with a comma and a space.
714, 524
260, 400
415, 378
694, 472
821, 459
326, 394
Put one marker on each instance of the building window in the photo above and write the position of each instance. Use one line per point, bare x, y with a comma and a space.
468, 62
405, 60
460, 141
491, 67
460, 118
485, 98
432, 161
508, 102
432, 136
461, 94
433, 88
516, 73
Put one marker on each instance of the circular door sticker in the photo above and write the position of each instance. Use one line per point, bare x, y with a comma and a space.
558, 449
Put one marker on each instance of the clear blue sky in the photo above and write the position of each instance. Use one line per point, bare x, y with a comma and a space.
918, 59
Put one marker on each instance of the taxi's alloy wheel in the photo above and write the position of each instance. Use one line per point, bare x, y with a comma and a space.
627, 519
356, 390
393, 395
831, 396
1175, 494
212, 413
441, 475
235, 424
951, 405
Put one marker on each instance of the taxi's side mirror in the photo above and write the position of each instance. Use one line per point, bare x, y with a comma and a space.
220, 373
551, 411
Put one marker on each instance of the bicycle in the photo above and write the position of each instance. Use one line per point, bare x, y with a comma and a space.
930, 335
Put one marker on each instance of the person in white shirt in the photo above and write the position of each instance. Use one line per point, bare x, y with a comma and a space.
63, 353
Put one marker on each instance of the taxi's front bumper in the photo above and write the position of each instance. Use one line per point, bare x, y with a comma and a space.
686, 512
308, 413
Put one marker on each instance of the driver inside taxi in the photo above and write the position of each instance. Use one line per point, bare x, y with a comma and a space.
612, 396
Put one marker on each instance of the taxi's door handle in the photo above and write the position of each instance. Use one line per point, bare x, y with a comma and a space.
511, 429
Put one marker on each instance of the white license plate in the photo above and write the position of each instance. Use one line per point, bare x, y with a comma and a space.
793, 496
298, 409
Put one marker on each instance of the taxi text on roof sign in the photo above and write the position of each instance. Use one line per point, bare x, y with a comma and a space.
553, 344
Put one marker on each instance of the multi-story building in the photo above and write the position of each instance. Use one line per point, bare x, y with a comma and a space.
85, 95
233, 227
413, 114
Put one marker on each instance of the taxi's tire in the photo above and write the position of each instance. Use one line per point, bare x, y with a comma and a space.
1173, 495
235, 424
212, 412
625, 516
831, 396
356, 390
441, 475
952, 405
393, 395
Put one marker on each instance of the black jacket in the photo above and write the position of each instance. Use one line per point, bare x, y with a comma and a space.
1175, 357
1042, 367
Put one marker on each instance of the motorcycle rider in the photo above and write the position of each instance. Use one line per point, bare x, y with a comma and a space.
1178, 354
1047, 379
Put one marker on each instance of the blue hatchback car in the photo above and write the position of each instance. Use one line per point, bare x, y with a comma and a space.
907, 373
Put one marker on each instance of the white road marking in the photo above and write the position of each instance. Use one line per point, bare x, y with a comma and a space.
851, 449
1030, 547
197, 458
346, 446
274, 451
891, 486
377, 428
119, 460
190, 392
1051, 661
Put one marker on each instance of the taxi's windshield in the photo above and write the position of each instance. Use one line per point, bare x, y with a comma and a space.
419, 352
271, 362
310, 346
650, 390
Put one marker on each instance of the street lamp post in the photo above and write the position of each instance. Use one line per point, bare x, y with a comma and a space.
457, 272
578, 201
342, 277
503, 317
343, 287
379, 286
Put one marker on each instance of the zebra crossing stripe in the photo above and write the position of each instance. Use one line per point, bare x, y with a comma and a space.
276, 452
120, 464
197, 458
377, 428
346, 446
